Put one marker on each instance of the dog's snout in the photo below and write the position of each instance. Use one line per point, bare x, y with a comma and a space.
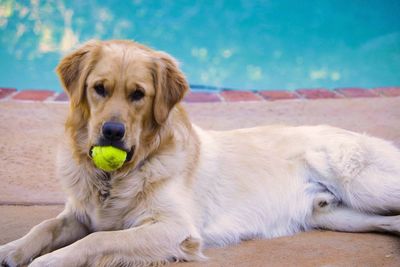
113, 131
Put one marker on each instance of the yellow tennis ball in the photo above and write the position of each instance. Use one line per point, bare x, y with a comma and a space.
108, 158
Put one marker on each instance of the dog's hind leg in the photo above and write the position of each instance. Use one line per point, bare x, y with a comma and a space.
376, 188
363, 172
345, 219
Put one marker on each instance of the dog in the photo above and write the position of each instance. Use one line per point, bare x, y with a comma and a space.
183, 188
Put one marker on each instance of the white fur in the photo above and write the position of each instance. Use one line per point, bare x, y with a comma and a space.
261, 182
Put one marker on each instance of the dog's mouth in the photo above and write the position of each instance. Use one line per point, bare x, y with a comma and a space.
129, 152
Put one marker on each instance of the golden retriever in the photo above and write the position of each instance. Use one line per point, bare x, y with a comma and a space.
183, 188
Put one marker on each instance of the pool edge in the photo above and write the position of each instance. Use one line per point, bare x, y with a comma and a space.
224, 95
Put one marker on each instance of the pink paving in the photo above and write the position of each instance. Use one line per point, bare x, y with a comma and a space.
278, 95
317, 93
232, 96
388, 91
225, 95
34, 95
4, 92
357, 92
61, 97
194, 97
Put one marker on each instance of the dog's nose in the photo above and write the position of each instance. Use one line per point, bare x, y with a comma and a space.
113, 131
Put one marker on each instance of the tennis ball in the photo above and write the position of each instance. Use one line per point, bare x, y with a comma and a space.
108, 158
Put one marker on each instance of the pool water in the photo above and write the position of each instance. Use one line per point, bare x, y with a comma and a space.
271, 44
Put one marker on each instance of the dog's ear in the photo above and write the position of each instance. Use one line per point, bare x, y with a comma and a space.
170, 86
74, 68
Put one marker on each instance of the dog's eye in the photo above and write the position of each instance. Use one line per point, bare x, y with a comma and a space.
100, 90
136, 95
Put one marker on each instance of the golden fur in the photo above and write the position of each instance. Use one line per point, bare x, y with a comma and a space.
184, 187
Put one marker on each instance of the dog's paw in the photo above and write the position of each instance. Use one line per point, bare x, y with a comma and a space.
324, 202
10, 256
46, 261
391, 224
57, 258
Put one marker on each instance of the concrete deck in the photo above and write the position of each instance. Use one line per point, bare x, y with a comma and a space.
29, 190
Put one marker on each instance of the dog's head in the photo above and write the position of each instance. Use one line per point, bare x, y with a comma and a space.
121, 93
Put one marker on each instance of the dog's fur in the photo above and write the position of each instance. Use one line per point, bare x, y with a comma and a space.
185, 188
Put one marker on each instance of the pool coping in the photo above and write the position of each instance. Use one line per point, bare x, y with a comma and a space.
223, 95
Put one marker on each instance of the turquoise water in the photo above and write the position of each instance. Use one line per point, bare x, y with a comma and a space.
276, 44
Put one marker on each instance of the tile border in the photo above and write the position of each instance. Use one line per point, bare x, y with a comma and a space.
6, 92
33, 95
207, 94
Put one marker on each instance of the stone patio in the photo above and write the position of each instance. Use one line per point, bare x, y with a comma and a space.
30, 193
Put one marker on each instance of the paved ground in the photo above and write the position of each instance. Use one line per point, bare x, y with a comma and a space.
29, 191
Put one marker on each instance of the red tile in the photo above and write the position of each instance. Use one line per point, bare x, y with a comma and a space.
196, 97
233, 96
62, 97
356, 92
278, 95
317, 93
388, 91
35, 95
6, 91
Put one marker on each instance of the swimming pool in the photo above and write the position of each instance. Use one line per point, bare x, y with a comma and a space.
280, 44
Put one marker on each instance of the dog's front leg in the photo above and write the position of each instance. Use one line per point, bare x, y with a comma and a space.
45, 237
151, 243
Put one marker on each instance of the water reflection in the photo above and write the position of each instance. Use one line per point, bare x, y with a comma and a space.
239, 44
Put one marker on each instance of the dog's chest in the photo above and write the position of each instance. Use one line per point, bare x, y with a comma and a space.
104, 215
111, 208
102, 220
